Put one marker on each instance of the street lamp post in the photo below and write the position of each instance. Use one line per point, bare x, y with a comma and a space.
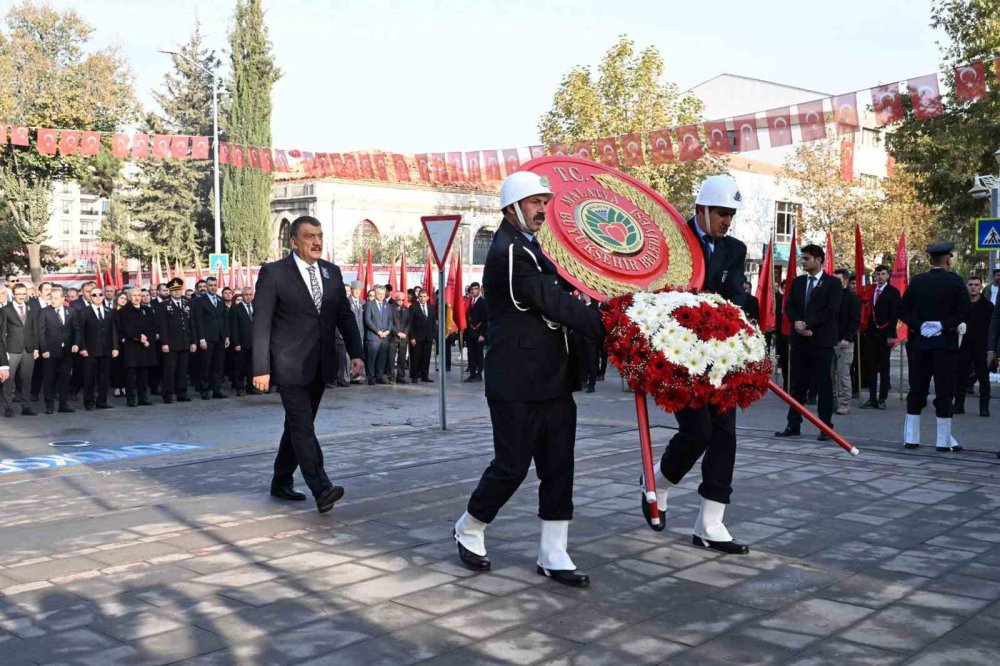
215, 142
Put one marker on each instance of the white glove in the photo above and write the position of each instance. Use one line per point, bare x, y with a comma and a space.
930, 329
962, 328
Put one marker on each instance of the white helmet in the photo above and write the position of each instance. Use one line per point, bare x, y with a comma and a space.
521, 185
720, 191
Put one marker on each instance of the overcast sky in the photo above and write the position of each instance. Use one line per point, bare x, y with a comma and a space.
424, 76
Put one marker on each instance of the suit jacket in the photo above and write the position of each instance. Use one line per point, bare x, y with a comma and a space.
290, 338
937, 295
821, 315
978, 327
211, 323
241, 327
992, 340
55, 336
21, 336
884, 314
751, 307
528, 352
724, 271
175, 326
849, 319
358, 310
376, 319
133, 323
476, 317
400, 321
423, 329
95, 336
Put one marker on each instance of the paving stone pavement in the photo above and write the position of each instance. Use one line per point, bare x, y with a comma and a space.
890, 558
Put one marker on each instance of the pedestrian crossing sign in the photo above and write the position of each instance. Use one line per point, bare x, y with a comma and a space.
218, 262
988, 233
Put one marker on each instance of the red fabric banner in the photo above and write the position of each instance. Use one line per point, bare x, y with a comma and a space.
392, 275
402, 170
140, 145
199, 147
746, 133
582, 150
119, 145
535, 152
381, 169
925, 96
887, 103
179, 147
456, 170
309, 163
254, 154
90, 143
779, 127
69, 142
458, 296
765, 291
472, 164
970, 82
632, 150
19, 135
440, 171
661, 147
689, 143
366, 167
361, 275
337, 165
845, 113
717, 137
558, 149
281, 161
238, 157
890, 166
161, 145
847, 161
423, 166
812, 121
492, 163
350, 162
225, 153
607, 152
266, 161
864, 292
3, 134
511, 160
46, 139
790, 273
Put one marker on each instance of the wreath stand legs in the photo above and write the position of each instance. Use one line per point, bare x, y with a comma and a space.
648, 472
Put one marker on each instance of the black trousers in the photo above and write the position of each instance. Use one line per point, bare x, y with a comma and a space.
812, 366
76, 377
475, 354
175, 374
56, 378
136, 383
968, 359
377, 353
398, 350
96, 377
242, 370
603, 365
37, 376
926, 364
588, 362
195, 362
522, 431
879, 352
703, 431
299, 447
212, 364
420, 360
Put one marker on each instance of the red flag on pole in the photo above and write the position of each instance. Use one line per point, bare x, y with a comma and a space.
847, 161
231, 281
786, 325
369, 274
448, 297
219, 280
361, 269
392, 273
429, 279
97, 275
458, 296
828, 262
179, 270
197, 266
138, 276
901, 277
109, 279
864, 292
402, 272
765, 291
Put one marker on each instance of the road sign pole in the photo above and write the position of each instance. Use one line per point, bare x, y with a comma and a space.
442, 350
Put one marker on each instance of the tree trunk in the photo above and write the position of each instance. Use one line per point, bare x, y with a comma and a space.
35, 262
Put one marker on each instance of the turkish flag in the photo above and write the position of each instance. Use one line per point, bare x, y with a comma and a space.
717, 137
828, 266
423, 166
765, 291
199, 147
90, 144
492, 163
511, 160
308, 163
69, 142
46, 140
440, 164
632, 150
381, 170
536, 152
402, 169
367, 171
847, 161
19, 135
324, 167
779, 127
351, 165
456, 170
812, 121
925, 96
582, 149
337, 164
845, 112
558, 149
689, 143
161, 145
745, 128
661, 147
472, 166
239, 157
266, 161
179, 147
119, 145
887, 103
225, 153
970, 82
607, 152
281, 161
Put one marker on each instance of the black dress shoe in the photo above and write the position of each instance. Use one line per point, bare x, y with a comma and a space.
50, 410
145, 403
428, 380
287, 493
205, 395
958, 409
570, 577
28, 411
985, 411
910, 446
8, 412
105, 407
89, 408
371, 382
382, 381
823, 437
869, 404
240, 392
183, 398
130, 402
728, 547
219, 395
342, 384
647, 512
589, 389
881, 404
167, 400
469, 559
949, 449
788, 432
66, 409
328, 498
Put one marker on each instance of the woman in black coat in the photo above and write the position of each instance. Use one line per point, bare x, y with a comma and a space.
117, 370
137, 328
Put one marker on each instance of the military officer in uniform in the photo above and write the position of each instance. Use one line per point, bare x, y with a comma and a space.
933, 307
530, 378
177, 342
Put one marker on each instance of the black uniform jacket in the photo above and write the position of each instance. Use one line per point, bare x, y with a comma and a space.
176, 327
527, 356
724, 273
937, 295
821, 315
476, 317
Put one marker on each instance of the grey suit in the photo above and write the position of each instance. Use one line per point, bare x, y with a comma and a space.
377, 318
21, 343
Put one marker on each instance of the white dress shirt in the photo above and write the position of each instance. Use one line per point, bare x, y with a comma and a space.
304, 272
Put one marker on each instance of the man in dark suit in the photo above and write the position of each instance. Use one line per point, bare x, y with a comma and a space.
378, 323
241, 329
935, 304
177, 343
814, 310
38, 303
847, 331
475, 332
423, 332
751, 306
399, 336
529, 383
357, 301
22, 348
211, 327
55, 340
95, 340
883, 316
76, 306
705, 432
972, 348
299, 302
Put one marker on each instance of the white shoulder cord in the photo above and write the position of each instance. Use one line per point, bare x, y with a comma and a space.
510, 282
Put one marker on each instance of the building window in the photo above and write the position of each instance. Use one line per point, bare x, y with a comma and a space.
784, 221
67, 227
87, 227
869, 182
284, 235
481, 245
365, 233
67, 206
871, 137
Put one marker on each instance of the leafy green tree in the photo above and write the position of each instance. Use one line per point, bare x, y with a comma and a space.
630, 96
246, 193
48, 78
386, 248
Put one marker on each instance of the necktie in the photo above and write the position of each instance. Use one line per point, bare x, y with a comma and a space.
314, 287
214, 303
62, 317
878, 292
100, 313
177, 304
424, 308
249, 311
709, 247
809, 288
20, 312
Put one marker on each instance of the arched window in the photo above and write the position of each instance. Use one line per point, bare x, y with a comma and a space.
364, 234
481, 245
284, 237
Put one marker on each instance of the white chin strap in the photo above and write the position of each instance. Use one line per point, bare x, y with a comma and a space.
708, 223
520, 218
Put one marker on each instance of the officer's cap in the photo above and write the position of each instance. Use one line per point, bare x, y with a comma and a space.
176, 283
940, 249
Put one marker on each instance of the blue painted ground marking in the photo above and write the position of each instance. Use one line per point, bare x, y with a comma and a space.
72, 459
